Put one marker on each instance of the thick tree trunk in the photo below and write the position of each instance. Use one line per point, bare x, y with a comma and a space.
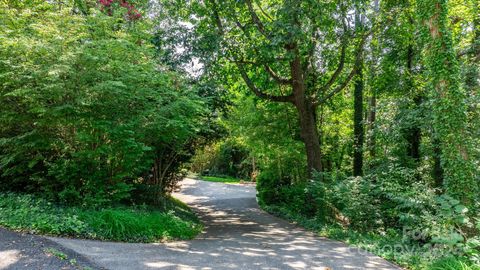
309, 134
437, 172
448, 103
307, 113
358, 129
414, 134
372, 115
415, 137
476, 36
372, 102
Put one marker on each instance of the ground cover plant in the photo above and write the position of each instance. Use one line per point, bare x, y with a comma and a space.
144, 223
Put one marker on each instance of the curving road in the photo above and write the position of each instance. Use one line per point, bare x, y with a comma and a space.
238, 235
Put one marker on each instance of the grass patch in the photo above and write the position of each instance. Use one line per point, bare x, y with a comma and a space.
226, 180
453, 263
128, 224
388, 245
57, 253
62, 256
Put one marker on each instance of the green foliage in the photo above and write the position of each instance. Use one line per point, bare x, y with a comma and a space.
448, 101
88, 117
271, 136
390, 213
132, 224
267, 187
452, 263
85, 110
421, 170
138, 226
224, 158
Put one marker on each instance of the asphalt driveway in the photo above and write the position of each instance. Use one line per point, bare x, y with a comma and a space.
238, 235
22, 251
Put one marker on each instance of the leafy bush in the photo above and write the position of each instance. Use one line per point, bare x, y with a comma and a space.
386, 210
224, 158
133, 224
268, 188
87, 116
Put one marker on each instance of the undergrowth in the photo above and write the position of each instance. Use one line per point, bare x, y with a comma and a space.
388, 245
129, 224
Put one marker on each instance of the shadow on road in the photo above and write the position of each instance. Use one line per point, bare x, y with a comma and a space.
237, 235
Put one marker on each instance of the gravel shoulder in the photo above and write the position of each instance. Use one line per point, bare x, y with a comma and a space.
27, 251
237, 235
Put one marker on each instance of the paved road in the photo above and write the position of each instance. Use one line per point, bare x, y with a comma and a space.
238, 235
21, 251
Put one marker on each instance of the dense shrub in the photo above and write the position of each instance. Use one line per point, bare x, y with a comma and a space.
223, 158
268, 188
86, 115
422, 224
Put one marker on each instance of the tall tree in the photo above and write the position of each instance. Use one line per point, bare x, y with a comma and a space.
414, 132
448, 106
358, 128
372, 100
476, 27
285, 51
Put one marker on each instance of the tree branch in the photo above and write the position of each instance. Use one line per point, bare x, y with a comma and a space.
216, 16
255, 18
269, 70
341, 64
358, 59
338, 88
260, 94
275, 76
308, 65
263, 11
243, 73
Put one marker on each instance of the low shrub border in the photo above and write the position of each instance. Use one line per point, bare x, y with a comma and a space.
121, 223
